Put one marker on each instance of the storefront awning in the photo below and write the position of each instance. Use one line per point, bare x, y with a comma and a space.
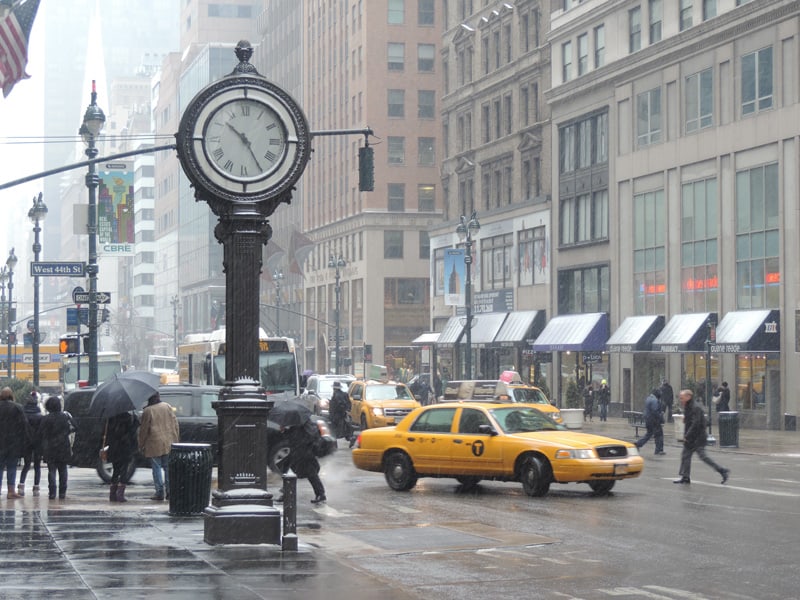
451, 332
520, 326
577, 333
684, 333
485, 327
749, 331
636, 334
426, 339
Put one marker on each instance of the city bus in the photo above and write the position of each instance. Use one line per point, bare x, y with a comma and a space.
201, 359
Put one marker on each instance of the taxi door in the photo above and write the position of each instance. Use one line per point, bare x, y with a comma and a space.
429, 441
475, 453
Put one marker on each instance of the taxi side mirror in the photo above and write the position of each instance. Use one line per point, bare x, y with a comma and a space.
486, 430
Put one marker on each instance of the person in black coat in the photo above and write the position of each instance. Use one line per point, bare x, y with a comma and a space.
667, 399
303, 441
54, 433
339, 407
33, 455
724, 393
122, 440
14, 438
695, 439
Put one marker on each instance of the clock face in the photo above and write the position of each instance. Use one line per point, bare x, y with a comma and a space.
244, 140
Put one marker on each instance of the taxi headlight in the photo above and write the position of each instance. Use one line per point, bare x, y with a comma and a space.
633, 451
377, 411
557, 415
583, 453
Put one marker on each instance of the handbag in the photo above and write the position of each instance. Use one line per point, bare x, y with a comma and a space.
104, 447
716, 399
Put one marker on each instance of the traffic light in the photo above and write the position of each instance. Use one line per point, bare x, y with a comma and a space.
366, 169
69, 345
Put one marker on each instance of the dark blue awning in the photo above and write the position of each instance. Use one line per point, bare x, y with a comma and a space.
749, 331
684, 333
576, 333
636, 334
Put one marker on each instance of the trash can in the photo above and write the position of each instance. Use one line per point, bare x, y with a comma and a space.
679, 427
790, 422
729, 429
189, 479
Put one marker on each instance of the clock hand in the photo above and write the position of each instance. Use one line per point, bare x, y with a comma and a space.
246, 142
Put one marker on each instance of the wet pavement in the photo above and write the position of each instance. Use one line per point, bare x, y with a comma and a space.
86, 547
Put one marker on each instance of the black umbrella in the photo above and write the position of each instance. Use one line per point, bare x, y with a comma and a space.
123, 392
287, 413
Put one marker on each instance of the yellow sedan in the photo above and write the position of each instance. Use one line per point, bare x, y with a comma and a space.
471, 441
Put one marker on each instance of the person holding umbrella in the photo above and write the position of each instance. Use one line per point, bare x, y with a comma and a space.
304, 439
121, 430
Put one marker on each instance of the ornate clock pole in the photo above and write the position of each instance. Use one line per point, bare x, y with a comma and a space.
243, 142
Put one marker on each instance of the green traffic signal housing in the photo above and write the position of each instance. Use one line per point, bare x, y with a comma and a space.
366, 169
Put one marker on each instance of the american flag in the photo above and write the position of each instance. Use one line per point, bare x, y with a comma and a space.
15, 28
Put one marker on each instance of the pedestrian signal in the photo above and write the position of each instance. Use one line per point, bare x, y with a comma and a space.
69, 345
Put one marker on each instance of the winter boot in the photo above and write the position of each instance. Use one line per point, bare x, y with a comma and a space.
112, 493
36, 490
121, 493
20, 489
12, 495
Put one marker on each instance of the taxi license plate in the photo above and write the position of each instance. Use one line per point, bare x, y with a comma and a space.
620, 469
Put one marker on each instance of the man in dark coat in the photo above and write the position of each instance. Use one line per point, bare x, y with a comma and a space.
603, 399
122, 441
14, 438
54, 432
667, 399
339, 408
33, 454
695, 439
303, 439
724, 394
653, 420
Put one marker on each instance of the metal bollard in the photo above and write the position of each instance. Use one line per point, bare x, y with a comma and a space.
289, 539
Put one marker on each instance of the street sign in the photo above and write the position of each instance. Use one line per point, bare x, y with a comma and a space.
81, 297
58, 269
75, 292
31, 326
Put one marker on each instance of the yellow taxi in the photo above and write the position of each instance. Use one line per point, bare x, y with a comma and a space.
471, 441
378, 403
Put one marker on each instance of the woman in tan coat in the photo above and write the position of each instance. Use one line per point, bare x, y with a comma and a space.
158, 431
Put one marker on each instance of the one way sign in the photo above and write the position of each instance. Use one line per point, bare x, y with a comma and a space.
83, 297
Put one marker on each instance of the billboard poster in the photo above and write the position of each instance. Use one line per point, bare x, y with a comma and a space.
454, 276
115, 213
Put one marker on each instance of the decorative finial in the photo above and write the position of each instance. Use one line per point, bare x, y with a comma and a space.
243, 52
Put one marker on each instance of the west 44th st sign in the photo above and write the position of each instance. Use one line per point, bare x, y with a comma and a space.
58, 269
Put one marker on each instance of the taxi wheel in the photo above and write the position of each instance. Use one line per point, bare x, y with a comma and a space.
601, 488
468, 482
399, 472
534, 476
105, 470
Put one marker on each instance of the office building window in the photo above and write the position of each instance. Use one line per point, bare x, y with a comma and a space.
425, 57
583, 143
509, 107
485, 54
566, 61
686, 14
397, 10
656, 17
496, 262
584, 218
392, 244
426, 151
583, 54
757, 81
700, 100
426, 197
534, 260
397, 56
599, 46
396, 150
758, 275
426, 14
397, 197
634, 29
424, 245
584, 290
699, 254
648, 117
649, 253
709, 9
396, 99
426, 104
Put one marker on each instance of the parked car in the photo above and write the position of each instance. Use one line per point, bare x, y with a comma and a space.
471, 441
380, 403
319, 389
197, 421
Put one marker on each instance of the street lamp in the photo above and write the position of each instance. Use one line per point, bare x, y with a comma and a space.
176, 303
11, 262
93, 121
36, 214
465, 230
3, 307
277, 276
337, 263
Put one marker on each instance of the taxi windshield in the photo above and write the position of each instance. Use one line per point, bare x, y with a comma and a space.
522, 420
529, 396
387, 391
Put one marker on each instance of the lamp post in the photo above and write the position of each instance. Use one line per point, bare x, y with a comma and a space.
11, 262
3, 306
277, 276
36, 214
337, 262
465, 230
711, 337
93, 121
176, 303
